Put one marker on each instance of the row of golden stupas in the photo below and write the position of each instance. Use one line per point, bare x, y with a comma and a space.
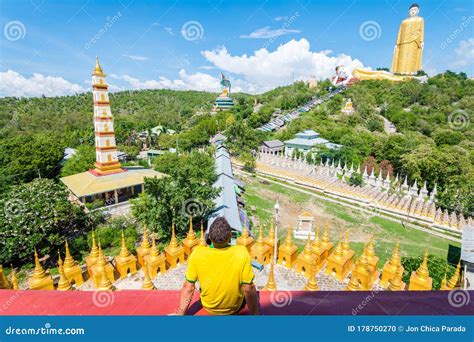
339, 262
102, 273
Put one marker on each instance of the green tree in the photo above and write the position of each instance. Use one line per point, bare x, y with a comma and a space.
81, 161
38, 215
436, 267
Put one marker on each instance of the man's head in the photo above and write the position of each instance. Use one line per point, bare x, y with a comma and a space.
413, 10
220, 232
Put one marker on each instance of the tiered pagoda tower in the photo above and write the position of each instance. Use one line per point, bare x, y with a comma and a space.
106, 150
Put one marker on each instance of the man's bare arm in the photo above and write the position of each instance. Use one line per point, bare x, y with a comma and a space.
251, 298
186, 297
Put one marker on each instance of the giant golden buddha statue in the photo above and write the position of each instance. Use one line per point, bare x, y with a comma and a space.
409, 47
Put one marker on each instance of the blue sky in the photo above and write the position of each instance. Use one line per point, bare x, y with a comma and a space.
50, 45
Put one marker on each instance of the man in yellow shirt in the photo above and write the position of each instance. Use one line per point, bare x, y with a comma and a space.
224, 273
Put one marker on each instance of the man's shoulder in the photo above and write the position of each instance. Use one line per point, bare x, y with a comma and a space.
240, 250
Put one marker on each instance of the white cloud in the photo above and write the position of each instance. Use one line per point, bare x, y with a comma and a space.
266, 32
136, 57
464, 53
265, 70
206, 67
14, 84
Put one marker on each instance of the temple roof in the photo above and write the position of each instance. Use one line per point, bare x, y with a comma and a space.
86, 184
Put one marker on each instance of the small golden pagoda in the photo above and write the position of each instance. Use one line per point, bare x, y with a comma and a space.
71, 268
14, 279
444, 285
271, 286
4, 283
245, 239
41, 279
174, 253
270, 239
202, 238
105, 284
338, 262
91, 259
420, 279
63, 283
147, 283
454, 281
396, 283
312, 284
260, 251
101, 267
144, 248
125, 262
326, 245
372, 259
390, 267
288, 252
155, 262
317, 250
306, 260
354, 284
190, 241
347, 251
362, 268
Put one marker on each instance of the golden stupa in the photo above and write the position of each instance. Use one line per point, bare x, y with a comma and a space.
391, 267
326, 246
271, 286
101, 267
339, 264
260, 251
41, 279
71, 268
63, 283
91, 259
444, 283
420, 279
174, 253
125, 262
4, 283
144, 248
396, 283
155, 262
372, 259
454, 281
270, 239
202, 238
362, 269
354, 284
312, 284
245, 239
306, 260
317, 249
147, 283
288, 251
14, 279
190, 241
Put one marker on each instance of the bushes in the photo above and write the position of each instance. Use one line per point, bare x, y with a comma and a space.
436, 267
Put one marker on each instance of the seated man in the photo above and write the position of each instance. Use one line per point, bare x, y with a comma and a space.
224, 273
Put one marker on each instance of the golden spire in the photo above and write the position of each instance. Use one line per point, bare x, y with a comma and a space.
124, 253
154, 253
316, 245
105, 284
422, 272
245, 233
354, 284
173, 242
147, 283
191, 235
202, 239
63, 284
339, 252
395, 259
455, 278
444, 285
271, 286
307, 248
94, 254
395, 284
325, 239
97, 69
68, 260
370, 252
14, 279
145, 243
271, 232
38, 273
345, 244
289, 238
363, 262
101, 261
312, 284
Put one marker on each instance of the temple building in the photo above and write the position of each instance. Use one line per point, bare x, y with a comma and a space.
108, 181
306, 141
224, 101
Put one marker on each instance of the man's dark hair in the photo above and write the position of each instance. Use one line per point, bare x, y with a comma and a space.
220, 231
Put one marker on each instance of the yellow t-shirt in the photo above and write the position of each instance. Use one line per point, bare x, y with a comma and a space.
221, 272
